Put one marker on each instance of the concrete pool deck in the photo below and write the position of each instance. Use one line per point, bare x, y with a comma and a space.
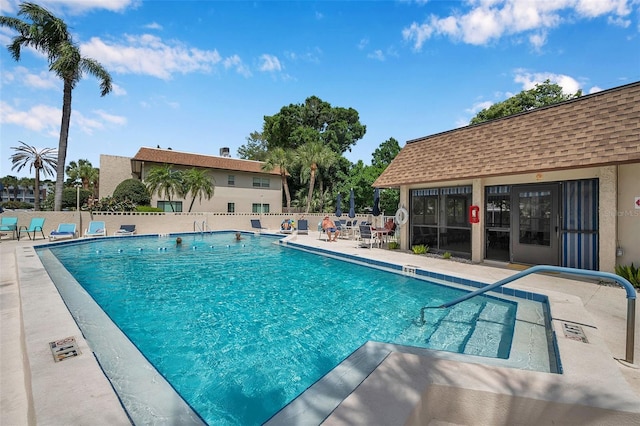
36, 390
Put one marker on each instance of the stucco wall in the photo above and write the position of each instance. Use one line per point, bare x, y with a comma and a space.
165, 223
628, 214
113, 170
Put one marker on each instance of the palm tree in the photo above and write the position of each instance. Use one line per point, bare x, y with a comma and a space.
11, 181
196, 182
84, 172
165, 181
282, 159
313, 155
50, 35
41, 160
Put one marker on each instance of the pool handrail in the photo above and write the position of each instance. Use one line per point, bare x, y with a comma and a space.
631, 295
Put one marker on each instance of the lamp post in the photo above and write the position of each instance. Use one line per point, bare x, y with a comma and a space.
77, 185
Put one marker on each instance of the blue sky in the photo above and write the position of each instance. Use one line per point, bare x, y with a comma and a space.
197, 76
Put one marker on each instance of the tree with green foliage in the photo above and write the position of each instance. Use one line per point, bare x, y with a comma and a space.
198, 183
282, 159
132, 190
41, 160
49, 35
83, 171
315, 120
255, 148
385, 153
165, 181
541, 95
311, 156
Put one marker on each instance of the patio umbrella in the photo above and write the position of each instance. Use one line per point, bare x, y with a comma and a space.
338, 206
352, 205
376, 202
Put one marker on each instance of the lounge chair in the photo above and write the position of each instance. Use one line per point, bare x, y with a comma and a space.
366, 233
255, 224
64, 231
9, 224
125, 230
287, 226
36, 225
96, 229
303, 227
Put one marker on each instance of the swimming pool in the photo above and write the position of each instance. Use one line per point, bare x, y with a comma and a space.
240, 329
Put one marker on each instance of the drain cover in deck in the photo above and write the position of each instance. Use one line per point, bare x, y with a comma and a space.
574, 332
64, 348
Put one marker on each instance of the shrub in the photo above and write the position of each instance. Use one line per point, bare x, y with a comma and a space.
630, 272
147, 209
16, 205
109, 204
421, 249
132, 190
446, 255
393, 245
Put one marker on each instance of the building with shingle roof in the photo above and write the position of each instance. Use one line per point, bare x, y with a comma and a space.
240, 185
556, 185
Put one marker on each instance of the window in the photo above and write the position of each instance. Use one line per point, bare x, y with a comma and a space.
261, 182
260, 208
170, 206
231, 180
231, 207
439, 218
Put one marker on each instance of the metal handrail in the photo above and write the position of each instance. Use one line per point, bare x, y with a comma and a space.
631, 296
196, 227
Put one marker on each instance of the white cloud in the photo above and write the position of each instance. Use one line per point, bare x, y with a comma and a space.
40, 118
77, 7
153, 26
114, 119
269, 63
488, 20
479, 106
529, 80
118, 90
236, 63
377, 55
149, 55
595, 89
363, 43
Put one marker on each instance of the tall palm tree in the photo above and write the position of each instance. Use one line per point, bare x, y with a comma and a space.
313, 155
50, 35
11, 181
282, 159
165, 181
41, 160
198, 184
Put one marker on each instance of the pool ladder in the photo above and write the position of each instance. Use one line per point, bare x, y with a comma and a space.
631, 296
202, 229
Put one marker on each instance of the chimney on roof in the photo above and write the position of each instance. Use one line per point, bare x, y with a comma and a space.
224, 152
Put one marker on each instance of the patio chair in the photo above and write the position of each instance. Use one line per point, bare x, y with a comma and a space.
367, 233
96, 229
287, 226
125, 230
255, 224
36, 225
64, 231
303, 227
9, 224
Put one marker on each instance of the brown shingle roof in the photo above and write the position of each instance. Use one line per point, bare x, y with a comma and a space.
593, 130
167, 156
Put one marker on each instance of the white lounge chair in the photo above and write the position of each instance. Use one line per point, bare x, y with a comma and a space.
96, 229
64, 231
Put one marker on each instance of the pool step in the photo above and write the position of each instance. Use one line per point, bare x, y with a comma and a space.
492, 332
455, 329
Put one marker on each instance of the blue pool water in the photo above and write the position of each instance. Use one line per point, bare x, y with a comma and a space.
241, 328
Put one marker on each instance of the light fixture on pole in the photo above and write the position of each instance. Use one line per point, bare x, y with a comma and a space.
78, 185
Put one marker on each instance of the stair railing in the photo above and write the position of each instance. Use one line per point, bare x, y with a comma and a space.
631, 296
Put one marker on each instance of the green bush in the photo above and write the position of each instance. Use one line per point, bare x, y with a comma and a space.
16, 205
421, 249
446, 255
630, 272
147, 209
109, 204
393, 245
132, 190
